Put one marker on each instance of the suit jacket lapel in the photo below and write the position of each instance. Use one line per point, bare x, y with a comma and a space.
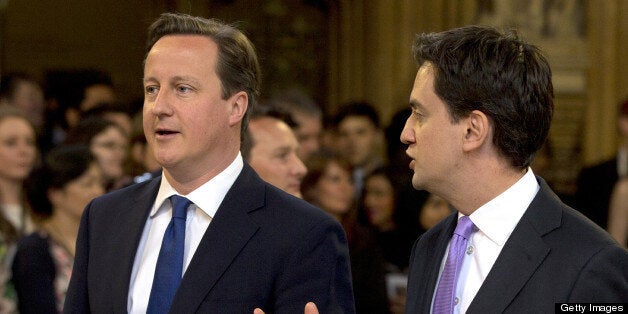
522, 254
227, 234
426, 265
126, 237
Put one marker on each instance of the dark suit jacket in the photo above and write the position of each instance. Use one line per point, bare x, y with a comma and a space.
554, 255
264, 248
595, 186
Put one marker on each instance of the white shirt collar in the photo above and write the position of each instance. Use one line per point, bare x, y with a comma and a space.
499, 217
208, 196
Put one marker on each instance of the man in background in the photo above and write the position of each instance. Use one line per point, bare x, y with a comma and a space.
271, 147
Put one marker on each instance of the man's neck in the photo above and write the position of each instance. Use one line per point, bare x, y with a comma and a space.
185, 179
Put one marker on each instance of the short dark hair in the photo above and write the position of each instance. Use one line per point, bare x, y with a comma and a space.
260, 112
62, 164
85, 131
357, 109
481, 68
296, 101
237, 65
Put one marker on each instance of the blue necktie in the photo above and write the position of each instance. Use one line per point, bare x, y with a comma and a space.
444, 299
169, 269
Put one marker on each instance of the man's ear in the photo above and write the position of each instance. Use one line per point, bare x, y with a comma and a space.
239, 103
477, 132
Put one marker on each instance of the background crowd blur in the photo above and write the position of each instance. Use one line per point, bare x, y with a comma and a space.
332, 137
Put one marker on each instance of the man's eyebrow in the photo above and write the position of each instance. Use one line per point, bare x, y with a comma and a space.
179, 78
415, 104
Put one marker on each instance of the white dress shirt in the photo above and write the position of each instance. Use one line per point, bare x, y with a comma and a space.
206, 199
494, 222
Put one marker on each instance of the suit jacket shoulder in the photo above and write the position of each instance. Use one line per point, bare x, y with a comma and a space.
555, 254
263, 248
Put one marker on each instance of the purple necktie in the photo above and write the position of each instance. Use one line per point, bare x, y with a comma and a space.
444, 299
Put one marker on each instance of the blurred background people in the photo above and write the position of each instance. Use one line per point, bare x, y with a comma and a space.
59, 191
18, 156
141, 163
68, 94
25, 93
109, 144
433, 211
117, 112
359, 138
270, 147
308, 117
618, 213
379, 205
329, 185
595, 183
409, 200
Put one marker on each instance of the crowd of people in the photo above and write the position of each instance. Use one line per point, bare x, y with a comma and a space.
68, 140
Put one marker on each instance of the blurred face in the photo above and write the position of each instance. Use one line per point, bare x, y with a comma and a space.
18, 150
97, 94
356, 139
76, 194
308, 134
122, 119
434, 142
187, 123
335, 190
379, 200
433, 211
30, 99
274, 156
110, 149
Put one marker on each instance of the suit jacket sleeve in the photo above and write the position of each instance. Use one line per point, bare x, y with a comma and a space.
76, 299
604, 279
323, 257
33, 276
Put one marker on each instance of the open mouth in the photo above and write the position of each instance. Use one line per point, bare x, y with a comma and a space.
165, 132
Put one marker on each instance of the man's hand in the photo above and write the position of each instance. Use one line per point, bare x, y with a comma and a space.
310, 308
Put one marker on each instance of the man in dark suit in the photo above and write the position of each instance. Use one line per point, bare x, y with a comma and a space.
245, 244
482, 106
596, 183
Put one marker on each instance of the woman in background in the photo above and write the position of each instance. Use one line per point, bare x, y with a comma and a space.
329, 186
109, 144
59, 190
18, 155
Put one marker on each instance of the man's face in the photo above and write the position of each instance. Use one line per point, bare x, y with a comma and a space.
357, 138
434, 142
308, 134
274, 154
186, 121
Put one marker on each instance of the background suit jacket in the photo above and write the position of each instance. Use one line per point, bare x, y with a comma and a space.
594, 188
263, 248
554, 255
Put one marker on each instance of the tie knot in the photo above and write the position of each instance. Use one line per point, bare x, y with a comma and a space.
464, 227
180, 205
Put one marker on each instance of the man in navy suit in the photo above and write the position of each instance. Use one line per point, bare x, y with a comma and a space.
481, 107
247, 244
